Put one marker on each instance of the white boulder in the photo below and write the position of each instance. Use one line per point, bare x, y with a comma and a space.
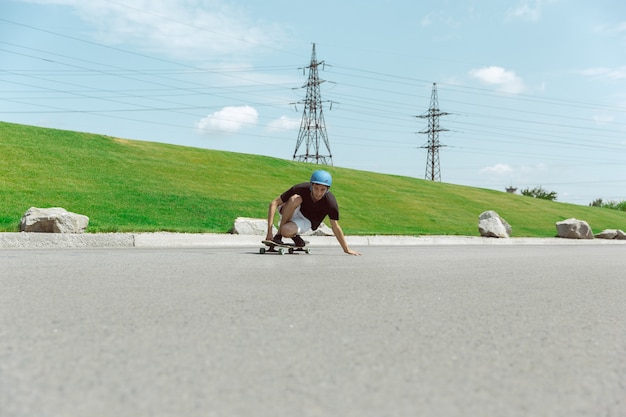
322, 230
574, 229
251, 226
611, 234
53, 220
258, 227
490, 224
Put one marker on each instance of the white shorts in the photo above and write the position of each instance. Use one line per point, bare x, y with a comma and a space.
304, 224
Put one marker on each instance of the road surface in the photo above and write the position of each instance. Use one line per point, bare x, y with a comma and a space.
400, 331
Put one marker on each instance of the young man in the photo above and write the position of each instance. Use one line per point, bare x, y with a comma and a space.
303, 207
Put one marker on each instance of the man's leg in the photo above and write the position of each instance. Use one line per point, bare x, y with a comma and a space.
287, 228
295, 225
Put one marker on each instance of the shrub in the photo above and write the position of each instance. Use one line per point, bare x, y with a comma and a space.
540, 192
613, 205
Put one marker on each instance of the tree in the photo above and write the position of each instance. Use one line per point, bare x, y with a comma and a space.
611, 204
596, 203
540, 192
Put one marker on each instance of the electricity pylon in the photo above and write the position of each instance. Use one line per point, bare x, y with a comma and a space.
433, 169
313, 128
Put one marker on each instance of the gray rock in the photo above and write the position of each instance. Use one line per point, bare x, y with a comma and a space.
574, 229
490, 224
251, 226
258, 227
322, 230
606, 234
611, 234
53, 220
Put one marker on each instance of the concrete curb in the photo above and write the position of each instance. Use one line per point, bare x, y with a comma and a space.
192, 240
61, 240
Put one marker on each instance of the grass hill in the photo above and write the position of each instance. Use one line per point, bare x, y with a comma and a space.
133, 186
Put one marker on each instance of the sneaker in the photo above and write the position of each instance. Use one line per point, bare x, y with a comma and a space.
278, 239
298, 241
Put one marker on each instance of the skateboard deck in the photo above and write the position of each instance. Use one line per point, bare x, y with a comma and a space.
281, 249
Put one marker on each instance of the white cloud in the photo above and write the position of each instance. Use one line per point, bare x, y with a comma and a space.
228, 120
612, 30
522, 176
525, 11
441, 18
284, 123
528, 10
192, 29
497, 169
606, 73
603, 119
505, 81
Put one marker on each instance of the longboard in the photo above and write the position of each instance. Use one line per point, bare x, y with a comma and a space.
281, 249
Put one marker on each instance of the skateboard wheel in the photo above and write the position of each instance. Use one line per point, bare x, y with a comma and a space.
307, 251
290, 250
262, 251
281, 251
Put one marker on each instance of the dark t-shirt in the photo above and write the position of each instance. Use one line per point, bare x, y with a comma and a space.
314, 211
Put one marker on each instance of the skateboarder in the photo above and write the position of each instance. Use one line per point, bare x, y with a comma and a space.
303, 207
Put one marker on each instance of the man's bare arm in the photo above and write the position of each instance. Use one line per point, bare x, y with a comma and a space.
271, 212
338, 231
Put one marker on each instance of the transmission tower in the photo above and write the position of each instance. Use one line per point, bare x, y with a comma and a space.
313, 128
433, 170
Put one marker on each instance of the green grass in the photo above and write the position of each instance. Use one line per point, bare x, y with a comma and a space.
134, 186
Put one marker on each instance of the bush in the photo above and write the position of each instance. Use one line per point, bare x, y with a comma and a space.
613, 205
596, 203
540, 192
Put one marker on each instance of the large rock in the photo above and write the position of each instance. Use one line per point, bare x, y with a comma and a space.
53, 220
251, 226
490, 224
322, 230
606, 234
611, 234
574, 229
258, 227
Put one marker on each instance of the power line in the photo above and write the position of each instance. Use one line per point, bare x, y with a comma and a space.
385, 118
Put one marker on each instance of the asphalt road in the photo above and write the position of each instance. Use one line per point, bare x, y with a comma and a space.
402, 331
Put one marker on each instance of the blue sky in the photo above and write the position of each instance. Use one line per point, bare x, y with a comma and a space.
536, 90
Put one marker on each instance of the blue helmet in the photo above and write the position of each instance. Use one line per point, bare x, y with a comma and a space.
322, 177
